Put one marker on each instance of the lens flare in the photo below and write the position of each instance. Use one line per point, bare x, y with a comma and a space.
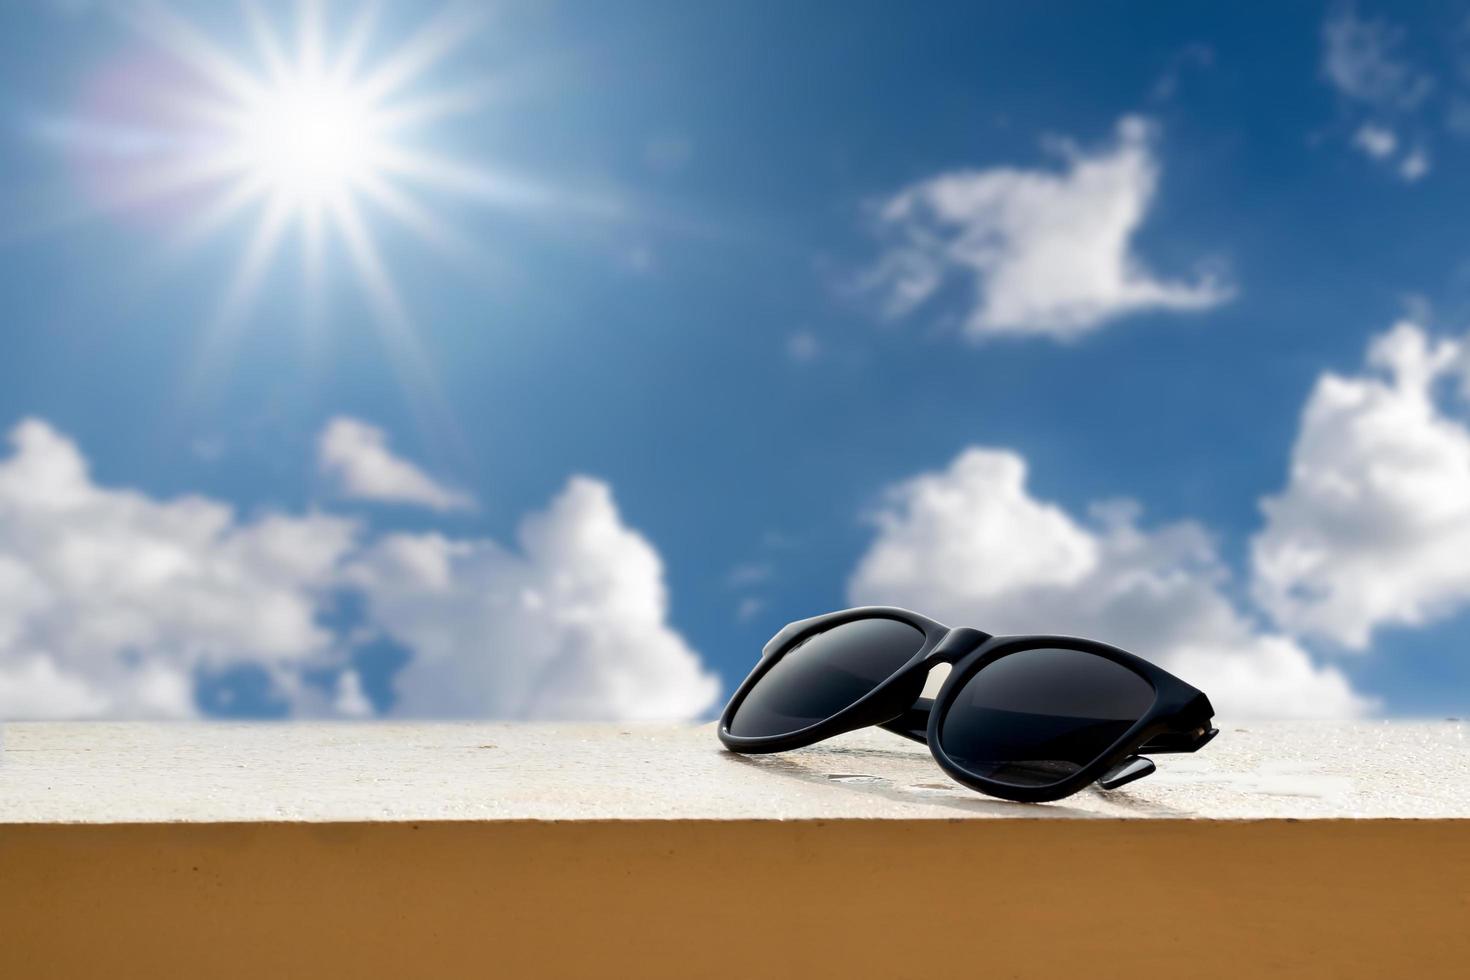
296, 135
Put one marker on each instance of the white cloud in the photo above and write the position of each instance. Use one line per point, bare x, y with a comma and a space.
357, 457
574, 625
749, 608
1045, 253
349, 699
1414, 166
33, 686
110, 600
1378, 142
749, 573
1457, 116
970, 545
749, 576
1381, 144
1373, 526
115, 604
1191, 57
803, 347
1362, 60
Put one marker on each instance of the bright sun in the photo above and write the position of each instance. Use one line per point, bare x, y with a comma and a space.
298, 135
309, 138
306, 136
310, 131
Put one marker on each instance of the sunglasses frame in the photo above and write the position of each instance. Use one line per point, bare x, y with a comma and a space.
1177, 721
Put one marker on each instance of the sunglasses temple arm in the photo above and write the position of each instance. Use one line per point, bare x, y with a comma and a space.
913, 723
1136, 766
1125, 772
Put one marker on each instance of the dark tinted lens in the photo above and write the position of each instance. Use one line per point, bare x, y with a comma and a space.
825, 674
1035, 717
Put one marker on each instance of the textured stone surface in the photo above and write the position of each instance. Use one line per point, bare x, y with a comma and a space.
117, 773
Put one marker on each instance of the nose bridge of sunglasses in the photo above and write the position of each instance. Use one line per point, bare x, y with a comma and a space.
955, 644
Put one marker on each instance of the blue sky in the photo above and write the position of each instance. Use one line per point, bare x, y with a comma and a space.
751, 311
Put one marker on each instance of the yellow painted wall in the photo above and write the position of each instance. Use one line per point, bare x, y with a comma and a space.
890, 898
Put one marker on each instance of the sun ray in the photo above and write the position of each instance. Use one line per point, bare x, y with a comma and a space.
129, 193
354, 44
424, 224
368, 264
138, 188
441, 35
218, 213
203, 108
313, 264
221, 334
185, 42
457, 178
309, 27
439, 105
406, 353
253, 264
267, 44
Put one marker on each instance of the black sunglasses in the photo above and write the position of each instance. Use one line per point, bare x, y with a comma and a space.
1031, 718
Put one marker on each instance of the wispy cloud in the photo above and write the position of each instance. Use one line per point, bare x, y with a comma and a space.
1191, 57
1378, 142
749, 573
803, 347
356, 457
1364, 61
1415, 166
1040, 252
749, 608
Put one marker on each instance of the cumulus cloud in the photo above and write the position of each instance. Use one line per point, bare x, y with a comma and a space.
116, 604
971, 545
1044, 253
1373, 526
572, 625
110, 600
356, 455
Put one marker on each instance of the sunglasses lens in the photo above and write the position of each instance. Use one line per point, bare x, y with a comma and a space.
1035, 717
824, 674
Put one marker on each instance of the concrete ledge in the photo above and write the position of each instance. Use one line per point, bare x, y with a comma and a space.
152, 773
575, 851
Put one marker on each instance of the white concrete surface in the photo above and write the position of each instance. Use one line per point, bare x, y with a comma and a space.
119, 773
